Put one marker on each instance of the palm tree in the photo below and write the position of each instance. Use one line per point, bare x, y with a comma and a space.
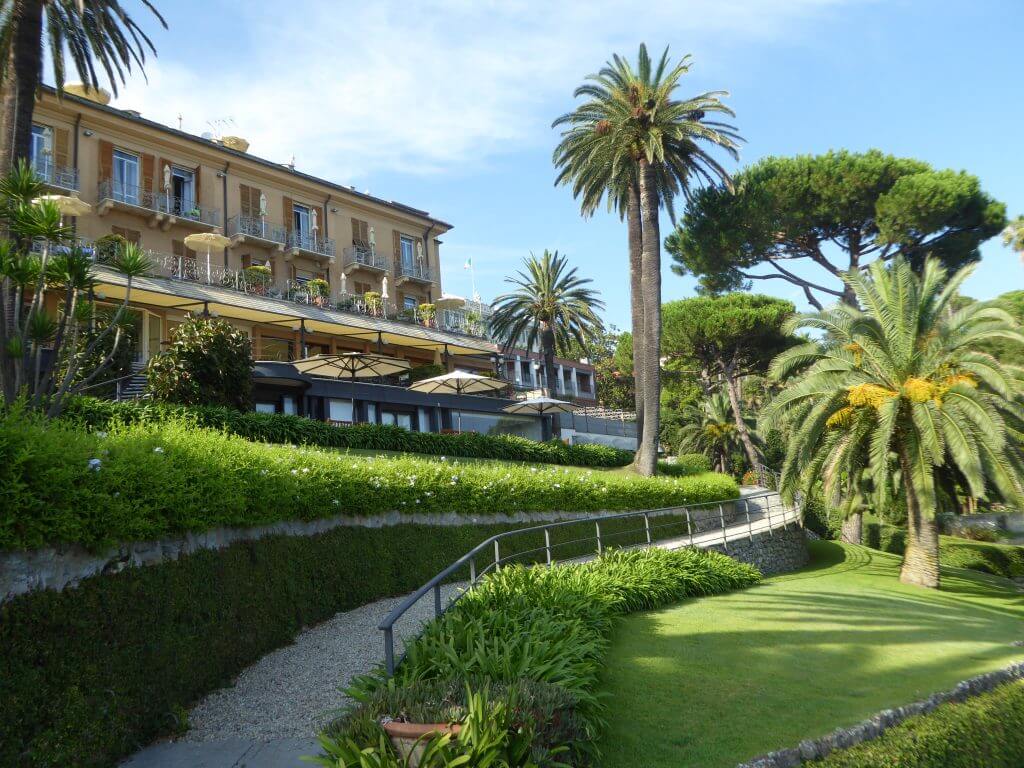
902, 385
637, 145
1013, 236
91, 31
709, 428
551, 307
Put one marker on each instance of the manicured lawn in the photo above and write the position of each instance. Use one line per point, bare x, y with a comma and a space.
716, 681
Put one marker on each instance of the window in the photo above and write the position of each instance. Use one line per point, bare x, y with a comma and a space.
525, 372
362, 288
371, 413
266, 408
408, 249
397, 418
275, 349
42, 149
126, 177
497, 424
288, 405
410, 302
300, 220
183, 191
583, 379
154, 333
131, 235
340, 411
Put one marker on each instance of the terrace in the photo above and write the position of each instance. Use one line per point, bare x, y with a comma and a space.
58, 177
158, 208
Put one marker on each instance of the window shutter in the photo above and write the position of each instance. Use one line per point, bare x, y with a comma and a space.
246, 197
398, 245
148, 166
106, 160
289, 214
60, 147
178, 249
198, 175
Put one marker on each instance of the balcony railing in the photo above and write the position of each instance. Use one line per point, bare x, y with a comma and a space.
415, 270
257, 226
364, 257
55, 175
306, 242
158, 202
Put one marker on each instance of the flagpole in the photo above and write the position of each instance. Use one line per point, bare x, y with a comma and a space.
472, 280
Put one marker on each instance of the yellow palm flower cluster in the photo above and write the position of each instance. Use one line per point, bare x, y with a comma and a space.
920, 390
841, 418
871, 395
856, 349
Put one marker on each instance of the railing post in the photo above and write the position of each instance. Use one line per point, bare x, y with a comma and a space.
721, 518
472, 570
750, 528
497, 556
689, 528
768, 512
647, 526
389, 651
547, 545
597, 527
437, 600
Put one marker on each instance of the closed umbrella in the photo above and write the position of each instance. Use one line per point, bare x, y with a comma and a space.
459, 383
210, 240
344, 284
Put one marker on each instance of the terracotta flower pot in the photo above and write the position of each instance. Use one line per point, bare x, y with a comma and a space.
408, 739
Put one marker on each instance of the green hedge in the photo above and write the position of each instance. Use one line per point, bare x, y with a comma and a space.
280, 428
61, 484
1004, 560
685, 464
984, 732
549, 626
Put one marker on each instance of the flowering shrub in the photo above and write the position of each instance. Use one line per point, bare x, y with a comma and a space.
61, 483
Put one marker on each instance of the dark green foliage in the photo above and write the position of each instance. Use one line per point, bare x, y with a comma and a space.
281, 428
426, 371
1004, 560
685, 464
824, 520
552, 625
983, 732
121, 364
209, 362
144, 481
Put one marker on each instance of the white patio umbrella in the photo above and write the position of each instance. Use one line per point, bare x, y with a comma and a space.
458, 383
362, 365
450, 301
68, 205
540, 406
210, 240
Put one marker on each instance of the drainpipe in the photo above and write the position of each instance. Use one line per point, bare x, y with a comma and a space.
74, 163
327, 203
426, 250
224, 186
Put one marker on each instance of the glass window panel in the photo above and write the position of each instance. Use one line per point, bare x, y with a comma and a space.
497, 424
288, 405
266, 408
340, 410
126, 177
275, 349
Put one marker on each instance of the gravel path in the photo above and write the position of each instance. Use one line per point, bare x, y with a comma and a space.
292, 692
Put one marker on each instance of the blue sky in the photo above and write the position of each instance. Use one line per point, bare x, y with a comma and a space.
446, 105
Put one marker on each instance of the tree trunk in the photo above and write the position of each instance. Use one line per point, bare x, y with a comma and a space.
547, 348
921, 555
24, 73
636, 299
646, 461
853, 528
732, 386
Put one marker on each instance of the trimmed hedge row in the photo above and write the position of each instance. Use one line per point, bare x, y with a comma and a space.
685, 464
281, 428
987, 730
1004, 560
142, 481
91, 674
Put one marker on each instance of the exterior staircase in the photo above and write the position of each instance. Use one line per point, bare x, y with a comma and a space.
135, 387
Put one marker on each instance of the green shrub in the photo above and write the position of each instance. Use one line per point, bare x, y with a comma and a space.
987, 731
825, 520
209, 362
281, 428
1004, 560
547, 625
144, 481
685, 464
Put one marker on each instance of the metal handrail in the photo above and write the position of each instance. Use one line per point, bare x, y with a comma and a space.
740, 530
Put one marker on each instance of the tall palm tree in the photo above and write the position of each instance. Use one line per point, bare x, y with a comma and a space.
550, 308
709, 428
91, 31
636, 144
1013, 236
902, 385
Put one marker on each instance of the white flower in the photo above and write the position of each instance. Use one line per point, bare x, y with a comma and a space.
101, 435
295, 471
533, 469
336, 502
94, 465
557, 485
444, 458
305, 470
158, 449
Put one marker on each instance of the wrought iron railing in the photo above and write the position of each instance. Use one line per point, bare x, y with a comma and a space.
55, 175
697, 525
158, 202
364, 257
256, 226
416, 270
306, 242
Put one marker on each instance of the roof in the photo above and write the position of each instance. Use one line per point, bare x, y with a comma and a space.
210, 144
179, 294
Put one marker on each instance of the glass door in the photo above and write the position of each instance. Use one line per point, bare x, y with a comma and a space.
42, 151
407, 255
154, 335
126, 178
301, 224
183, 184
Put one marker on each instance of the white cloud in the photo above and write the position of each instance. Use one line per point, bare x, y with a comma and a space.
350, 89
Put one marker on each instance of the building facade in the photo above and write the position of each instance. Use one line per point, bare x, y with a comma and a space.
311, 266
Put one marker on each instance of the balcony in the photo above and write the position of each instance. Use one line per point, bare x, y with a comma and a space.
56, 176
304, 244
360, 257
257, 229
406, 272
160, 209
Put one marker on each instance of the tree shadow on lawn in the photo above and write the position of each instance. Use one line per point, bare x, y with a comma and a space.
716, 681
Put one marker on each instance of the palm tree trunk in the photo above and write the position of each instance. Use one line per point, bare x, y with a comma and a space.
24, 72
646, 461
732, 386
636, 299
853, 528
547, 348
921, 555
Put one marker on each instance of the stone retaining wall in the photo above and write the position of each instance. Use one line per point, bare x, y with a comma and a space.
779, 551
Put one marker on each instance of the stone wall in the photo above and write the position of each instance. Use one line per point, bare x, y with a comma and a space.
779, 551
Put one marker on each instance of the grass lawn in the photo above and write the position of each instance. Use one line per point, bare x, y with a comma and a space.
713, 682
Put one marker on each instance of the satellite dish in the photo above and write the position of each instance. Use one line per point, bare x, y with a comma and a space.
208, 135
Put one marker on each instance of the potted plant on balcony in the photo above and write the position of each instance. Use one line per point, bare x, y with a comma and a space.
108, 248
427, 314
319, 291
374, 303
257, 278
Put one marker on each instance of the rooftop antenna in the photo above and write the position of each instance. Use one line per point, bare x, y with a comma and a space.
292, 163
219, 125
180, 116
